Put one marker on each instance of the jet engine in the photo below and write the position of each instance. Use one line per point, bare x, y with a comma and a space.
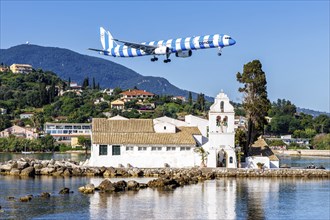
186, 53
162, 50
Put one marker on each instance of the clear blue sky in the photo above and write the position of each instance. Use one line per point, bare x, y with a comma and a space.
291, 39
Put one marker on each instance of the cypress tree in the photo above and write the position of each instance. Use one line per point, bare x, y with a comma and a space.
255, 103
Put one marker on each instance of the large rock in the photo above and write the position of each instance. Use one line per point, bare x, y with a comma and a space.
87, 189
47, 171
29, 171
45, 195
22, 164
110, 172
64, 190
15, 172
133, 185
26, 198
163, 183
120, 186
106, 186
6, 167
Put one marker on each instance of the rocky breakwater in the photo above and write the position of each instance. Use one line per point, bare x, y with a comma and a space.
32, 167
162, 183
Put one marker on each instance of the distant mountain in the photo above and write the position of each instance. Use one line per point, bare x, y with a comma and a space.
66, 63
312, 112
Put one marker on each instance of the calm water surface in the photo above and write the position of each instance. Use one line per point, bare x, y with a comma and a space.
227, 198
44, 156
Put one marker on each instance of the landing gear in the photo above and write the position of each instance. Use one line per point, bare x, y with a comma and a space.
167, 56
220, 51
154, 59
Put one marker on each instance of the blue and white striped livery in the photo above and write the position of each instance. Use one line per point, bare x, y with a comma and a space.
181, 47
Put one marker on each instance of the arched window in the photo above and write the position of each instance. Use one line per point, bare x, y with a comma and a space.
230, 159
225, 121
218, 120
222, 106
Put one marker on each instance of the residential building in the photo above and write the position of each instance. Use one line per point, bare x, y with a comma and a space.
74, 86
117, 104
99, 100
22, 132
63, 132
108, 91
136, 94
182, 98
261, 154
21, 68
26, 115
240, 122
4, 68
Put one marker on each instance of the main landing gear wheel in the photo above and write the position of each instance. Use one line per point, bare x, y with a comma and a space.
167, 60
154, 59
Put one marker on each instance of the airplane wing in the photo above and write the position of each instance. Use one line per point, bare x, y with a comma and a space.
146, 48
97, 50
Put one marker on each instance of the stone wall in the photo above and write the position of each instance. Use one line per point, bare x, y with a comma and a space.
33, 167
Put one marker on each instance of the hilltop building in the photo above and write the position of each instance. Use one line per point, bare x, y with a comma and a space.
136, 94
17, 131
117, 104
21, 68
4, 68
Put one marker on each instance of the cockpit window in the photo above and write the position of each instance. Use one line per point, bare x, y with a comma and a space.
227, 37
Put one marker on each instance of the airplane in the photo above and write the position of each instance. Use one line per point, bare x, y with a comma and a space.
181, 47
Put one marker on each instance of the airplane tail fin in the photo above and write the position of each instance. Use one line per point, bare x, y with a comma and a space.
107, 39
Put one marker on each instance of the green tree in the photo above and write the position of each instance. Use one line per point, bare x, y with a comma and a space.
203, 154
4, 122
256, 103
190, 100
85, 142
321, 142
94, 84
85, 83
322, 124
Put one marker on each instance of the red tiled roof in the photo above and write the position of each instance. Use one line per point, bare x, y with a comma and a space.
136, 92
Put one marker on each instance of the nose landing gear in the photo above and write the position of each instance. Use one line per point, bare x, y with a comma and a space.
219, 51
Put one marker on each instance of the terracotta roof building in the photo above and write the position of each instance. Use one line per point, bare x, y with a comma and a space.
139, 143
136, 94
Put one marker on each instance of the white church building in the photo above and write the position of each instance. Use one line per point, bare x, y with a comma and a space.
164, 141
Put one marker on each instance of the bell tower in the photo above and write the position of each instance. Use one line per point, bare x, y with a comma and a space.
221, 116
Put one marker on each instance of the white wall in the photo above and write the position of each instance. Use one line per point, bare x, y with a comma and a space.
201, 123
251, 162
164, 127
144, 159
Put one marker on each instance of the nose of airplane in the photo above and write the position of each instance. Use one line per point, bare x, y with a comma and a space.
232, 41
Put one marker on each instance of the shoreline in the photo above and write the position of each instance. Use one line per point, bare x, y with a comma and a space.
319, 153
33, 167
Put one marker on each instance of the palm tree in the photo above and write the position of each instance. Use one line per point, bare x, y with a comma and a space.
203, 154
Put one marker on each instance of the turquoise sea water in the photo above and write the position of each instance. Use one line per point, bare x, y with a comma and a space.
227, 198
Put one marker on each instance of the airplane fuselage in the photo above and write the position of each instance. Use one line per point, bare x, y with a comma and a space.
174, 45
